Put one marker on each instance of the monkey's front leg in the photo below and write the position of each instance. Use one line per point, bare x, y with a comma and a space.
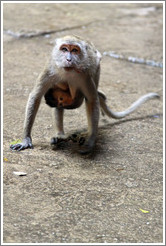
92, 108
31, 110
60, 136
43, 84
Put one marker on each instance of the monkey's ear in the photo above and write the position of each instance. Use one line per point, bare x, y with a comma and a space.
99, 55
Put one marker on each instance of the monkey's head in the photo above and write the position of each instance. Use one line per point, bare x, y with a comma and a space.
73, 52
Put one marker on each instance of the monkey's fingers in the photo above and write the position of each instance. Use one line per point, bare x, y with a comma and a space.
15, 146
81, 140
21, 146
54, 141
57, 140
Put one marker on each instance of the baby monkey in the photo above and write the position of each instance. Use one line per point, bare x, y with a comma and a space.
70, 77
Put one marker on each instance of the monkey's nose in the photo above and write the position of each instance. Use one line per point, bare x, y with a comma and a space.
68, 59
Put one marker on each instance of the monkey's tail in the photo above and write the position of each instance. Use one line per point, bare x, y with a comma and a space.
134, 106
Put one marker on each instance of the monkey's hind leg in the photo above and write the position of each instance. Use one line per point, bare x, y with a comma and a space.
60, 135
92, 109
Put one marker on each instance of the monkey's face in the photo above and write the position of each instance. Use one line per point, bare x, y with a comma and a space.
69, 55
72, 52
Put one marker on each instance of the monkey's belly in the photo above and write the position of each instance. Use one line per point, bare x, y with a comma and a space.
61, 98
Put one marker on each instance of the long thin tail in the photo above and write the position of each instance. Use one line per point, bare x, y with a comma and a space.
117, 115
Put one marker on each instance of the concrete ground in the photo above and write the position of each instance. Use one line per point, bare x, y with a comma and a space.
114, 195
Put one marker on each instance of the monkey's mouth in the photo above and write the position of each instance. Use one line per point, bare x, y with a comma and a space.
68, 68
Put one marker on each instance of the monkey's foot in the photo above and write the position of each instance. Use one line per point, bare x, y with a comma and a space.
73, 137
86, 149
26, 143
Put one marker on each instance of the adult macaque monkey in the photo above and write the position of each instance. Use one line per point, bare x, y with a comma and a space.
70, 76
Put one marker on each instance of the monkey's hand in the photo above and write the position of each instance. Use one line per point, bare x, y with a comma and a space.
26, 143
58, 139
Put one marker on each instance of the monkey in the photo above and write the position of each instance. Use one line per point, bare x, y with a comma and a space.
70, 77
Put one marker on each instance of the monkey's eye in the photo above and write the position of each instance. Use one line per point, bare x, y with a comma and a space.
74, 50
64, 49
